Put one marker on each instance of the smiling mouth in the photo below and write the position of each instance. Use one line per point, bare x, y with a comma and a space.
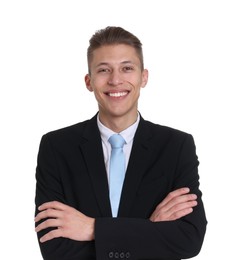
117, 94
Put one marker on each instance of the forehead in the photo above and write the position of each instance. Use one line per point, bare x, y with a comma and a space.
115, 53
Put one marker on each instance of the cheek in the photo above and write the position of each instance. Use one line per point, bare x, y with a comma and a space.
135, 80
137, 85
98, 82
98, 92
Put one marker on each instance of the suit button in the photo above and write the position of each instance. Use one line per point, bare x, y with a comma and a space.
122, 255
127, 255
116, 255
111, 254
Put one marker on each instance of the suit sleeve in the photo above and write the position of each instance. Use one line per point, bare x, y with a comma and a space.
142, 239
49, 188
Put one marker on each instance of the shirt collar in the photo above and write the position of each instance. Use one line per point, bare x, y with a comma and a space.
127, 134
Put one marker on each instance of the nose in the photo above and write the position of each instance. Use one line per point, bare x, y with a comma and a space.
115, 78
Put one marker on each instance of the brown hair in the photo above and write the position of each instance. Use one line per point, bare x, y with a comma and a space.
114, 35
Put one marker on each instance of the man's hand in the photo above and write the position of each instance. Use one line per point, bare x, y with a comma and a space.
177, 204
69, 222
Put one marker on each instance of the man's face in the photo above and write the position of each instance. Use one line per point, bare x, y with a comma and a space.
116, 79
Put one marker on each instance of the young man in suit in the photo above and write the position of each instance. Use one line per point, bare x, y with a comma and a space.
160, 214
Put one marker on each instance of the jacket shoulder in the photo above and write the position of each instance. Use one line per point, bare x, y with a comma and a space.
162, 130
68, 135
68, 130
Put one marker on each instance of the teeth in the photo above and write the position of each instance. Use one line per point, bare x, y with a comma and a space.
118, 94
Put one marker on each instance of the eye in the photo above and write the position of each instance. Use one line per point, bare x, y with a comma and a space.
103, 70
128, 68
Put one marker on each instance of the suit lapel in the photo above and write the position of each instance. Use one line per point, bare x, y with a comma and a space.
93, 154
138, 163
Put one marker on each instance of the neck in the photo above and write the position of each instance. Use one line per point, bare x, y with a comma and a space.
118, 124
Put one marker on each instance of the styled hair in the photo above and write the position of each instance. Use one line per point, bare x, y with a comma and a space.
113, 35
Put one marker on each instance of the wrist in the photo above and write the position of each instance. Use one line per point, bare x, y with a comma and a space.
91, 229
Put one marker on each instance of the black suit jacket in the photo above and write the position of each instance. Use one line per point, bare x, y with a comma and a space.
71, 169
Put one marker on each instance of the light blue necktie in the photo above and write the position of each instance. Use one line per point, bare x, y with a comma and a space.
117, 171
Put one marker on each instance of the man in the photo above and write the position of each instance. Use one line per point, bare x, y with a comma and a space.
160, 214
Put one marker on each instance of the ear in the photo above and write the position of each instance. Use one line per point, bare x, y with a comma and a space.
145, 75
87, 82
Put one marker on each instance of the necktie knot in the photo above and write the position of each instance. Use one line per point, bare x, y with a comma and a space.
116, 141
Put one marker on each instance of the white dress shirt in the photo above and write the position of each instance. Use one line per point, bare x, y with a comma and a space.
127, 134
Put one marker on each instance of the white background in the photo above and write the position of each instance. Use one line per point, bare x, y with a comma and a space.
191, 49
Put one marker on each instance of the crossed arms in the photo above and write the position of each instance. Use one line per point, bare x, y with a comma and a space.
71, 223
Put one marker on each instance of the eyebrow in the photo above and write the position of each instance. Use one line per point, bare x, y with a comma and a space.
107, 64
